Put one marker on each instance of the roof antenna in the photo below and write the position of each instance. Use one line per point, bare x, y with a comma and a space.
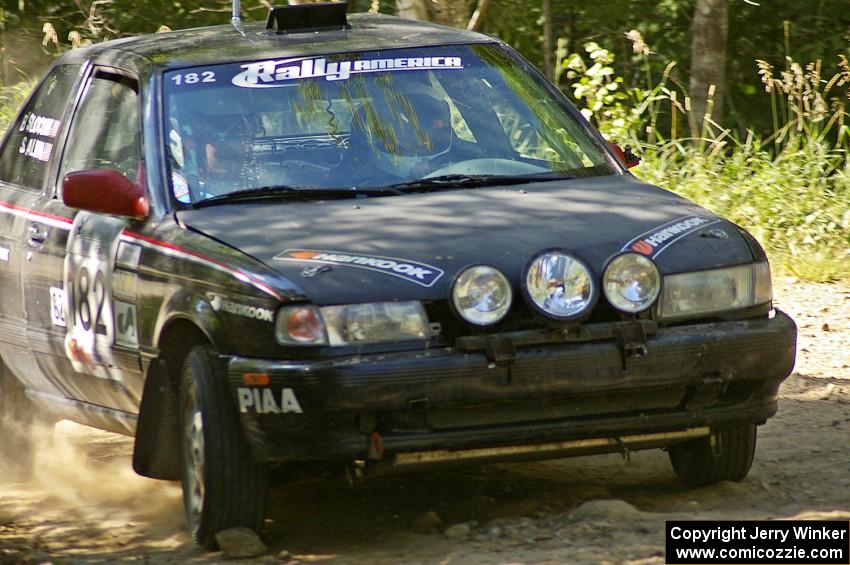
235, 19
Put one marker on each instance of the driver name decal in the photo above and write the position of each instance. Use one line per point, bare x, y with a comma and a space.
418, 273
653, 242
39, 126
275, 73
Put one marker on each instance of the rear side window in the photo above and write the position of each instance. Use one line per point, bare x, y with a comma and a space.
25, 157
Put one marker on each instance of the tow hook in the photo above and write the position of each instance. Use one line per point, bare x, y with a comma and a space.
500, 350
715, 443
632, 341
624, 449
355, 472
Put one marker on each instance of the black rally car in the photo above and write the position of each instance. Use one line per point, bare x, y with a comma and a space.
374, 243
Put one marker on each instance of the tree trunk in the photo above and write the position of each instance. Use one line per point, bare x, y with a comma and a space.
708, 59
412, 9
477, 19
453, 13
548, 44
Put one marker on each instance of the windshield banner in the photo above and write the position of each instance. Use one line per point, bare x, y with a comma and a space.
271, 74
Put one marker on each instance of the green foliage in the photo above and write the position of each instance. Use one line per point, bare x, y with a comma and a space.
791, 188
11, 99
796, 202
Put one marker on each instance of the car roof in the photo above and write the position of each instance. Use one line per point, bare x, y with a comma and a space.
221, 44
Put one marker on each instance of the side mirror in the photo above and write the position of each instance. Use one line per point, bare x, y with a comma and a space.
626, 157
106, 191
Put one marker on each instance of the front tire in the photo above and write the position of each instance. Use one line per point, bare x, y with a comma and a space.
222, 486
726, 457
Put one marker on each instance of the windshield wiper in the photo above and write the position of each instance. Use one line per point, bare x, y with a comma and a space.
450, 182
302, 192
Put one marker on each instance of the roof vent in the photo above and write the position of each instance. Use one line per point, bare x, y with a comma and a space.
321, 16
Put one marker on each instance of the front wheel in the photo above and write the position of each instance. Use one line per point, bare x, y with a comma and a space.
222, 486
726, 455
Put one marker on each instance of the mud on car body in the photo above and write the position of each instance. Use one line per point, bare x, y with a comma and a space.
380, 244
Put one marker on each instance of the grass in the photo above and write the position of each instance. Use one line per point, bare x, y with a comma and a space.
790, 188
797, 203
11, 99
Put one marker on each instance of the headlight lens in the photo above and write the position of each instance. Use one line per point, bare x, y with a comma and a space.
352, 324
714, 291
631, 282
482, 295
559, 285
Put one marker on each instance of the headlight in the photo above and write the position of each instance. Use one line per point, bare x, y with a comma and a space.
559, 285
715, 291
631, 282
482, 295
351, 324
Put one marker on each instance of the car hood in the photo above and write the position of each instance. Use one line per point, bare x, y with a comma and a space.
411, 247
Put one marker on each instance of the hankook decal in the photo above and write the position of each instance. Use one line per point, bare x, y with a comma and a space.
276, 73
655, 241
263, 401
220, 303
418, 273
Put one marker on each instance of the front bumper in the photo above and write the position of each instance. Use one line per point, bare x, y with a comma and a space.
444, 400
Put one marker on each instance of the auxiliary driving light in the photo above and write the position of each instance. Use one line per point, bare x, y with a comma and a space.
631, 282
482, 295
559, 285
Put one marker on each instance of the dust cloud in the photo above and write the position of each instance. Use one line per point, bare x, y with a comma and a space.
88, 498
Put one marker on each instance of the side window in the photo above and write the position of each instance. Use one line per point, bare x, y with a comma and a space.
105, 129
25, 157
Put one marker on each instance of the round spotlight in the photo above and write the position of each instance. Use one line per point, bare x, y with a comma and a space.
559, 285
482, 295
631, 282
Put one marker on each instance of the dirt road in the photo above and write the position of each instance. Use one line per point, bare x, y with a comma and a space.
86, 506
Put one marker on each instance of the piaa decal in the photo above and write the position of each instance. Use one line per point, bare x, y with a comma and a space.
263, 401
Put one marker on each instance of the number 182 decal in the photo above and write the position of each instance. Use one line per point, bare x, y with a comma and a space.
89, 261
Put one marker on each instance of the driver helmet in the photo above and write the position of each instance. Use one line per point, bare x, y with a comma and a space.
219, 130
405, 129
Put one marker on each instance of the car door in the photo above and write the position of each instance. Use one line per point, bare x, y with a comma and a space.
83, 336
27, 163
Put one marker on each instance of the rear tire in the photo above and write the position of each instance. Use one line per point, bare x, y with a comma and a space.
697, 462
222, 486
24, 425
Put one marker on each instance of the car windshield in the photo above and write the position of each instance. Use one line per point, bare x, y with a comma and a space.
367, 120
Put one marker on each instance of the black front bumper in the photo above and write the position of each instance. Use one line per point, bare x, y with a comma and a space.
448, 399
